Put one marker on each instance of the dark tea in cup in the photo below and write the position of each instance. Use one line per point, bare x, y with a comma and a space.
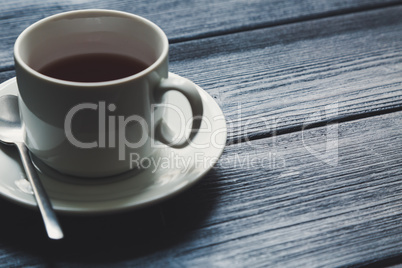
93, 67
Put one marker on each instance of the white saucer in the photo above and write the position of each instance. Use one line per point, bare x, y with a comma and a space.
149, 185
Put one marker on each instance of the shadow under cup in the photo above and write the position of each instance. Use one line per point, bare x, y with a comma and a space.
90, 129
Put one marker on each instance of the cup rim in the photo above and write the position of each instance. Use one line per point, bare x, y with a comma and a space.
143, 73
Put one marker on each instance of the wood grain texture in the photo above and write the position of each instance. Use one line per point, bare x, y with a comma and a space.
181, 20
268, 203
278, 79
4, 76
327, 196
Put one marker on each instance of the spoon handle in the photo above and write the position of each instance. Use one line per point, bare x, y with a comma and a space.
52, 225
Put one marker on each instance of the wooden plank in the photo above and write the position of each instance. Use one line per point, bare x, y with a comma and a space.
278, 79
302, 211
268, 203
4, 76
182, 20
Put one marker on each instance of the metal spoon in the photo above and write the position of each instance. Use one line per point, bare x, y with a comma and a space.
11, 132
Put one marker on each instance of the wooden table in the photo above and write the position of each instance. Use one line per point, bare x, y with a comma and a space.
312, 172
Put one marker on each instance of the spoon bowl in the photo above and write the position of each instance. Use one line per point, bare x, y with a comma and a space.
10, 121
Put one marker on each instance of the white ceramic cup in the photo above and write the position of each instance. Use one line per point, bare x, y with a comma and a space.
90, 129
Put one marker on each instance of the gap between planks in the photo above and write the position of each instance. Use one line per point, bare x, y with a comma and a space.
318, 124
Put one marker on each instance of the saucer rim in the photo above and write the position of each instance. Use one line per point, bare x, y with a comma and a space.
121, 207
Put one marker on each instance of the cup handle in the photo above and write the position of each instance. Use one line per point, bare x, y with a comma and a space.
189, 90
